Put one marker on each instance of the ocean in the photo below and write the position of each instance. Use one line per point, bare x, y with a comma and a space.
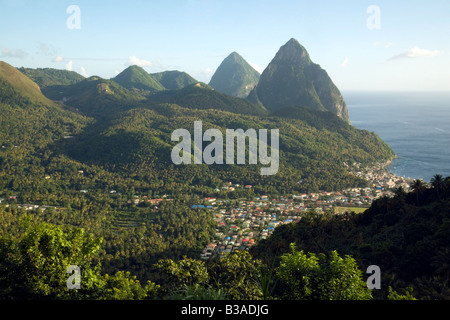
416, 125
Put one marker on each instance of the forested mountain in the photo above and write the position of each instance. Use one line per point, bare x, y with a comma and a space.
138, 141
235, 76
46, 77
173, 79
15, 84
292, 79
135, 77
29, 121
95, 97
90, 154
130, 133
202, 96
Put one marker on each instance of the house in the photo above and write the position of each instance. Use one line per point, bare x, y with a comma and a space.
29, 206
390, 184
155, 201
246, 224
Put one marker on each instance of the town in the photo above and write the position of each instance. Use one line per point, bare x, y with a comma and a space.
241, 223
243, 226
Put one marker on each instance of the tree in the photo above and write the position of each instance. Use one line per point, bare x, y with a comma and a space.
400, 193
441, 262
182, 274
35, 264
321, 277
394, 295
238, 273
123, 286
418, 187
438, 184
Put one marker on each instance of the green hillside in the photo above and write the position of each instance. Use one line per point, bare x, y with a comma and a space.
138, 141
28, 119
18, 84
202, 96
173, 80
136, 78
95, 96
46, 77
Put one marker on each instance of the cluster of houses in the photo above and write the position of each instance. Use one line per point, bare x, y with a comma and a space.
242, 223
252, 220
29, 207
241, 227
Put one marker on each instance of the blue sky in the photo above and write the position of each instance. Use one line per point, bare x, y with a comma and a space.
363, 45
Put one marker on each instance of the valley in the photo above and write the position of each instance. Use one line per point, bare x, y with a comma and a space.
93, 158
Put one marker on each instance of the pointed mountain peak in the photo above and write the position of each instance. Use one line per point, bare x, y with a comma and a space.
292, 79
135, 68
293, 51
293, 41
135, 77
235, 76
234, 56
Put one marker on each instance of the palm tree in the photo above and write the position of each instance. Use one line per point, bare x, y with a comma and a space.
441, 262
438, 184
400, 193
418, 187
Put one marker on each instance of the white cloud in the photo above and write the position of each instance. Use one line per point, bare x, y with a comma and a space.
132, 60
344, 62
256, 67
208, 72
58, 59
13, 54
84, 72
69, 66
203, 75
416, 52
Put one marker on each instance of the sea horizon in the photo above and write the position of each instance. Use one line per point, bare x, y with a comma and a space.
415, 124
